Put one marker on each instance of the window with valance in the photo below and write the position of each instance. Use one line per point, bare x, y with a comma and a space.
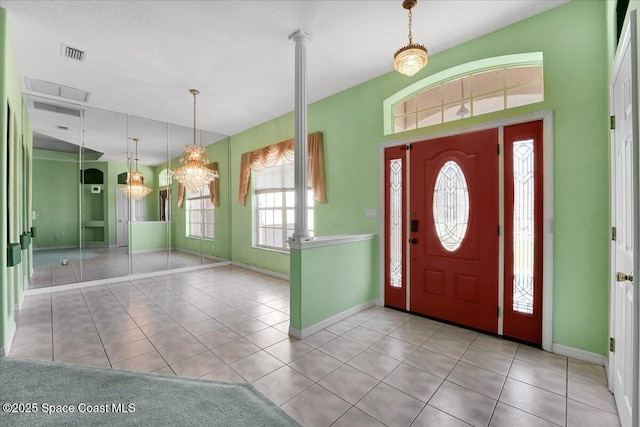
283, 153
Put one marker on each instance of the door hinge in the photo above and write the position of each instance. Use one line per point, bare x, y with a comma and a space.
612, 122
498, 311
614, 233
408, 147
498, 149
498, 231
612, 345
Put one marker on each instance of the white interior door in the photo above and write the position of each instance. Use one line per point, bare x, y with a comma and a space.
624, 205
139, 210
122, 218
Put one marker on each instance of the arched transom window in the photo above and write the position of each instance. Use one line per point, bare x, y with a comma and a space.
469, 90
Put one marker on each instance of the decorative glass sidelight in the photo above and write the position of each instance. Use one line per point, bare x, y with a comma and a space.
395, 226
523, 226
451, 206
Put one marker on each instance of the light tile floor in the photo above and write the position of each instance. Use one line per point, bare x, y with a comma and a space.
378, 367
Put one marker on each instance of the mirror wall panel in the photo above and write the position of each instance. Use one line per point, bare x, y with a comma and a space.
150, 226
87, 228
57, 138
104, 215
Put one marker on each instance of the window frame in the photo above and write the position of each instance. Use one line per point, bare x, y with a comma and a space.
514, 60
204, 196
284, 228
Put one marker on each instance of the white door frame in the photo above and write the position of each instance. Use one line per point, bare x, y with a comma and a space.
547, 275
628, 41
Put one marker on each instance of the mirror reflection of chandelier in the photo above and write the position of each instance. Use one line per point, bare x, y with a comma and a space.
135, 189
194, 174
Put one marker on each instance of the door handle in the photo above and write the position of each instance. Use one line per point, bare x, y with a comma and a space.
413, 241
621, 277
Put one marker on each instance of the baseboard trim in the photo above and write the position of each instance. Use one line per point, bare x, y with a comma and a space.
307, 332
579, 354
71, 286
217, 258
6, 348
261, 270
55, 248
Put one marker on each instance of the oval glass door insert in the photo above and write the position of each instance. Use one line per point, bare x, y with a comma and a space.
451, 206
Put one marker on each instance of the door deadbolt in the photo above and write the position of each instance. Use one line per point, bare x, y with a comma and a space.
413, 241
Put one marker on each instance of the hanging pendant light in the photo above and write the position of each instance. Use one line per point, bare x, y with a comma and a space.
463, 111
135, 189
412, 58
194, 174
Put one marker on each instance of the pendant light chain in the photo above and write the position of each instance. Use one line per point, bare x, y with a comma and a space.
136, 141
194, 119
410, 35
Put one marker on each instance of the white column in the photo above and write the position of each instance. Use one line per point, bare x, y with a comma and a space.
301, 230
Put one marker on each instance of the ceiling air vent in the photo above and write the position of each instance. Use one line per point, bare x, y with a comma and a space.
55, 89
73, 53
53, 108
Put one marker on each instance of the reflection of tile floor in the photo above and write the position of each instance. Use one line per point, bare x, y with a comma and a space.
378, 367
102, 263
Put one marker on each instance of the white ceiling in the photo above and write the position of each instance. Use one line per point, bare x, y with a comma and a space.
143, 56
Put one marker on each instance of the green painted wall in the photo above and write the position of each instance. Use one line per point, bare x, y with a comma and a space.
319, 293
14, 218
55, 199
575, 89
56, 195
147, 236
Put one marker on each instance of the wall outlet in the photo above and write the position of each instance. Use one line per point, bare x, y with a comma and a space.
371, 213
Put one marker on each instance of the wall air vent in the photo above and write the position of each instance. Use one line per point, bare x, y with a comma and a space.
73, 53
53, 108
55, 89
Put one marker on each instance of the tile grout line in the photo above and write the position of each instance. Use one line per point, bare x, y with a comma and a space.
96, 328
506, 377
141, 330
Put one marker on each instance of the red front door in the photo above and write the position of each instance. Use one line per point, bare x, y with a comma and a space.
453, 229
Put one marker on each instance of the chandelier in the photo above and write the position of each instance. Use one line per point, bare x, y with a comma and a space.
412, 58
463, 111
135, 188
194, 174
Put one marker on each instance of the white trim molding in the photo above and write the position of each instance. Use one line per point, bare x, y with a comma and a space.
579, 354
330, 240
307, 332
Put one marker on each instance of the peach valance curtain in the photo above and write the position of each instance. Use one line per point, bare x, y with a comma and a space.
214, 189
268, 156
